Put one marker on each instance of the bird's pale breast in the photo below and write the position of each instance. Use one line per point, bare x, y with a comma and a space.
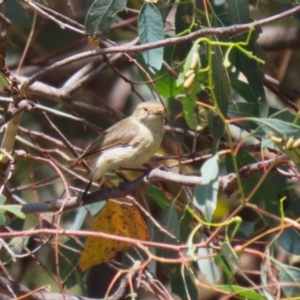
129, 156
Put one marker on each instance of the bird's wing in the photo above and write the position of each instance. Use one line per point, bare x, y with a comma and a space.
127, 136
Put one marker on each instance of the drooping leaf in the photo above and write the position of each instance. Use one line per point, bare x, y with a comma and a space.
170, 223
189, 112
183, 17
118, 219
206, 194
231, 257
238, 13
243, 89
101, 16
289, 240
265, 283
291, 277
151, 29
222, 96
207, 266
222, 90
182, 284
243, 109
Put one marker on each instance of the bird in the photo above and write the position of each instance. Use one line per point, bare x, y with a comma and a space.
130, 143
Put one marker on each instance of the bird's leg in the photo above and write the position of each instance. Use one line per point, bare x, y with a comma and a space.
122, 176
87, 188
81, 197
163, 167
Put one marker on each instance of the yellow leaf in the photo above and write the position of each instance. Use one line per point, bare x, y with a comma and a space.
115, 218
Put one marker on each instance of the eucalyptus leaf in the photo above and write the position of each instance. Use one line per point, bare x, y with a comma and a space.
189, 112
184, 15
238, 13
289, 240
207, 266
290, 276
206, 194
170, 223
101, 15
182, 284
151, 29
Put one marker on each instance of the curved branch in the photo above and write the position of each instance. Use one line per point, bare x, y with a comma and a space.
233, 29
228, 183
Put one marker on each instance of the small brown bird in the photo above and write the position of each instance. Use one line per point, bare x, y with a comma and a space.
129, 143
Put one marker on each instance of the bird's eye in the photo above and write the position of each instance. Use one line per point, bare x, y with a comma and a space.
145, 109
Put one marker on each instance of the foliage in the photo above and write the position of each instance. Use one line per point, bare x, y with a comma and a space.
215, 213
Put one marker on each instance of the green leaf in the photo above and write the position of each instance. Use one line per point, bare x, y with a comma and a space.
246, 293
16, 245
4, 81
222, 87
216, 127
2, 200
285, 115
189, 112
164, 81
66, 259
289, 240
151, 29
185, 225
101, 15
158, 195
183, 17
264, 277
170, 223
275, 127
4, 220
238, 13
206, 194
166, 84
231, 257
208, 266
222, 96
290, 276
242, 109
243, 89
14, 209
182, 284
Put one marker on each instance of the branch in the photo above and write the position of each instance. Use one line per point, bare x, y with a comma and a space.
227, 183
233, 29
15, 109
